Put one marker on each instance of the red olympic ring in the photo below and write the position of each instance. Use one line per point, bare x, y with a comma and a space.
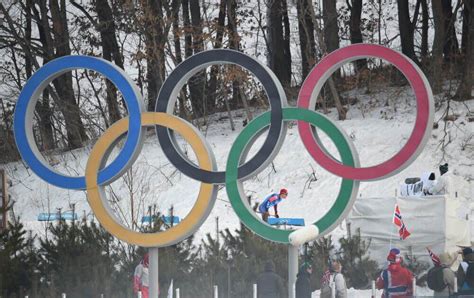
424, 116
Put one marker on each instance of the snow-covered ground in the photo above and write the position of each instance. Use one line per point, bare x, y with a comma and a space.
378, 132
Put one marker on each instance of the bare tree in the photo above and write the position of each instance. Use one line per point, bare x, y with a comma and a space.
407, 27
331, 29
354, 24
219, 25
424, 30
306, 35
197, 83
464, 91
438, 45
153, 22
76, 133
278, 55
110, 52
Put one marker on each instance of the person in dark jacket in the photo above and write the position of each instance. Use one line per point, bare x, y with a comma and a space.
303, 287
270, 284
468, 260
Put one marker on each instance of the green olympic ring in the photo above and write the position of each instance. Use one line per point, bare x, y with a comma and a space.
239, 150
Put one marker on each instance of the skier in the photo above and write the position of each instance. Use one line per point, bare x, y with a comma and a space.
396, 281
270, 284
140, 277
303, 286
272, 200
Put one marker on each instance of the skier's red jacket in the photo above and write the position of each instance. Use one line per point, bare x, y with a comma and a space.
397, 281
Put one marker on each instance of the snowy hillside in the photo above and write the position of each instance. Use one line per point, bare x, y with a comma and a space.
378, 133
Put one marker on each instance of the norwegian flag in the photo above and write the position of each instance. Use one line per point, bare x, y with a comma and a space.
397, 217
398, 221
434, 257
326, 278
403, 232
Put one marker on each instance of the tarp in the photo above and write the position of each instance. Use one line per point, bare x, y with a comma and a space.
55, 216
441, 222
286, 221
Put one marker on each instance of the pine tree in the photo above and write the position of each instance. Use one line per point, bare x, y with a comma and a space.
79, 260
318, 253
359, 270
17, 259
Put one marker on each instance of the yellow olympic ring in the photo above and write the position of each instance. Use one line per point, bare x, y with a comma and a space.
96, 193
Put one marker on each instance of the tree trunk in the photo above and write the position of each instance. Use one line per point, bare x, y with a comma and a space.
465, 27
306, 35
42, 107
438, 45
331, 30
464, 91
234, 43
286, 40
451, 44
406, 29
188, 39
424, 30
76, 133
197, 82
177, 50
356, 33
332, 86
110, 52
155, 53
276, 50
212, 84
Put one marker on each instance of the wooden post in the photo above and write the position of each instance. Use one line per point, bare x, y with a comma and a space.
3, 200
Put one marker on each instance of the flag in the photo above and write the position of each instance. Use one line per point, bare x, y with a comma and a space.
403, 232
397, 217
434, 257
170, 290
326, 277
398, 221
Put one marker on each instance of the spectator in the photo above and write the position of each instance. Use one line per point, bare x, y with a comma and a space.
303, 285
337, 279
465, 272
140, 277
270, 284
447, 276
396, 281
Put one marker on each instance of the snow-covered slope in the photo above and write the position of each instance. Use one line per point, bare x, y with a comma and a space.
377, 131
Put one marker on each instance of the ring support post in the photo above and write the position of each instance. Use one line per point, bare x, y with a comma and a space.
292, 269
153, 273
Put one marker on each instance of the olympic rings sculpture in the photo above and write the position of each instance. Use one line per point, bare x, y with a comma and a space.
238, 169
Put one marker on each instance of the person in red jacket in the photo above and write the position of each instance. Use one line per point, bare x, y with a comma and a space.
396, 281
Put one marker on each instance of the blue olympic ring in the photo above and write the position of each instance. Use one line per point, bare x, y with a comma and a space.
24, 112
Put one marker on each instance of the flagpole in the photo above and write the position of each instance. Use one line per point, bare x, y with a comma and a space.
391, 232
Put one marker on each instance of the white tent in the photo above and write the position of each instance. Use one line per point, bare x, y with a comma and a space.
441, 222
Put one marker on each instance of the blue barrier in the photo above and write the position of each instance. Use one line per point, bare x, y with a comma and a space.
286, 221
55, 216
166, 219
